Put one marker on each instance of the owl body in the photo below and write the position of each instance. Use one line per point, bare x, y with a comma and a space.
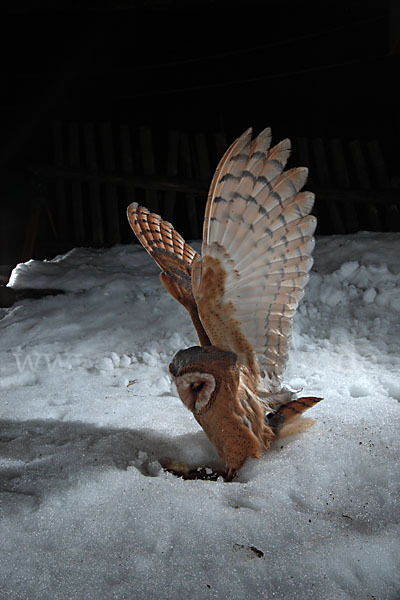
236, 426
241, 295
221, 395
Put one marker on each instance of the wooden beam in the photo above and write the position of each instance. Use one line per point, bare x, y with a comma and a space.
371, 196
59, 161
76, 185
94, 186
200, 188
172, 170
111, 204
150, 182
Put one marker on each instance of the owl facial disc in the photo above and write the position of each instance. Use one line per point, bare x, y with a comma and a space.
195, 389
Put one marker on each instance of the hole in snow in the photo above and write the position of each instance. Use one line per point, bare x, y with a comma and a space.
182, 469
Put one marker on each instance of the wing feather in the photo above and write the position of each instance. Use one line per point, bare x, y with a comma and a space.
228, 171
172, 254
256, 253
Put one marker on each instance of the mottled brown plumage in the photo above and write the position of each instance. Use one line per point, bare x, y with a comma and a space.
241, 294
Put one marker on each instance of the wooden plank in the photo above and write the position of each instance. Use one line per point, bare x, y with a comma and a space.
202, 158
390, 213
146, 143
392, 217
339, 167
364, 181
127, 160
111, 198
93, 186
379, 197
303, 152
321, 162
342, 180
61, 202
304, 159
126, 148
187, 167
221, 145
196, 188
31, 232
363, 178
172, 171
146, 182
203, 170
76, 186
325, 179
378, 163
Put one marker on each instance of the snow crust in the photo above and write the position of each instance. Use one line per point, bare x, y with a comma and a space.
88, 414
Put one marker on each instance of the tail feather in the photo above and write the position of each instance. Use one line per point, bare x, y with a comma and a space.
293, 409
289, 411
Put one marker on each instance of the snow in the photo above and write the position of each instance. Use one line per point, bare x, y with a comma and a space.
89, 415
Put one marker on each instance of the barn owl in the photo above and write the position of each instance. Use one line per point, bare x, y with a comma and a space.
241, 294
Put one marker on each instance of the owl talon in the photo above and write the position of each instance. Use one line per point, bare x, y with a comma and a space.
230, 475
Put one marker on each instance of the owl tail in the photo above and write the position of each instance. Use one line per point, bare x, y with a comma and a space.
289, 411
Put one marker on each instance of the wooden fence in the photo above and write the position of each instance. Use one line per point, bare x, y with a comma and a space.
98, 169
352, 184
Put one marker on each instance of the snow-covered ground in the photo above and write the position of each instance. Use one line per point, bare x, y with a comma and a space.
88, 412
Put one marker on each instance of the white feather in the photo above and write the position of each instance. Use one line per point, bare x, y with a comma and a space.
260, 230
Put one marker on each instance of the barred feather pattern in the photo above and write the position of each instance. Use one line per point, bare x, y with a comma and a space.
257, 225
174, 257
159, 237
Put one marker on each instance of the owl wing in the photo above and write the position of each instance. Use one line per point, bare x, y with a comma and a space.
172, 254
256, 254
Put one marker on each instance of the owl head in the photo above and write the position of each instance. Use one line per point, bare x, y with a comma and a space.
200, 373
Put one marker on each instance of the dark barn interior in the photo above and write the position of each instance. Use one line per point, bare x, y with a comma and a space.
111, 101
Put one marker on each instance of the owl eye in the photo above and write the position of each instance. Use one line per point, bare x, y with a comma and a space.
197, 387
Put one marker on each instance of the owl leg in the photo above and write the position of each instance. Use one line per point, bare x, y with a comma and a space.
230, 474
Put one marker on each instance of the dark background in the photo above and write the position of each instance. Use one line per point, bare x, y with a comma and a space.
316, 69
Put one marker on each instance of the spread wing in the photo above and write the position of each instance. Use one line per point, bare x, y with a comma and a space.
256, 254
172, 254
